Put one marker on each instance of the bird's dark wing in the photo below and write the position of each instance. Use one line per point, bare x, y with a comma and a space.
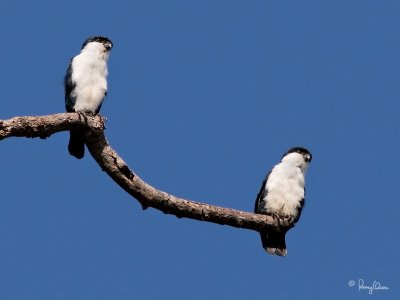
69, 86
259, 207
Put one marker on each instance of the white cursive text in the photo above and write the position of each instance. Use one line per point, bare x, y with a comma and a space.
376, 285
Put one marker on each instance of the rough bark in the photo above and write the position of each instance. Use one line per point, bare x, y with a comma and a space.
118, 170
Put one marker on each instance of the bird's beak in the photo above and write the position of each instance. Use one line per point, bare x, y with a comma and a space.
108, 46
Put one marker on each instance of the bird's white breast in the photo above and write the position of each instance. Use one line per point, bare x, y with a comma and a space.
285, 186
89, 73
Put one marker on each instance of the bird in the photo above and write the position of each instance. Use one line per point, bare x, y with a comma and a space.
282, 196
85, 84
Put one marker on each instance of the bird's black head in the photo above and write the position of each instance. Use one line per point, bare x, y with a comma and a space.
303, 151
100, 39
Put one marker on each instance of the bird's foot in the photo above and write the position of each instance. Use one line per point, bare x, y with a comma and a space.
89, 113
277, 218
283, 221
82, 116
287, 220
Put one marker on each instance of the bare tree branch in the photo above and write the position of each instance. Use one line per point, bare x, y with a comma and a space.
118, 170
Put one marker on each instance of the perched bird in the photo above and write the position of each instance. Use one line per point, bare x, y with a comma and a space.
86, 85
282, 196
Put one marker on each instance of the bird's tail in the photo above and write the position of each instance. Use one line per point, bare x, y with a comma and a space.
76, 146
274, 242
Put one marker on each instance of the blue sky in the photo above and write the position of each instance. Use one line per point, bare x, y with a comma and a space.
204, 98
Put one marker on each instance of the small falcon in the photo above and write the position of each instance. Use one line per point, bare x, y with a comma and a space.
86, 85
282, 196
